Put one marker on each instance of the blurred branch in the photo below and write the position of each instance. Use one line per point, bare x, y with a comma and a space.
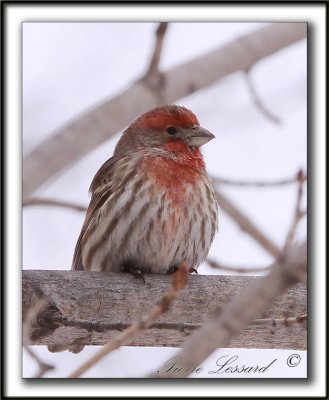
241, 270
38, 201
218, 332
43, 367
258, 184
257, 100
81, 136
155, 59
298, 214
246, 224
179, 281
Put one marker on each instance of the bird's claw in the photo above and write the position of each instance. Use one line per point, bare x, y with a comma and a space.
139, 275
174, 268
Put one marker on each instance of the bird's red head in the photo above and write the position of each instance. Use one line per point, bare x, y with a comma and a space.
173, 128
162, 117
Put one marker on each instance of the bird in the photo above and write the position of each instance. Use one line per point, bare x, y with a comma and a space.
152, 203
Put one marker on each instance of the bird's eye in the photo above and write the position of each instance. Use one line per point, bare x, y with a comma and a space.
171, 130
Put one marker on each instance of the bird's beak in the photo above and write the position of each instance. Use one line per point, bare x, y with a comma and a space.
199, 136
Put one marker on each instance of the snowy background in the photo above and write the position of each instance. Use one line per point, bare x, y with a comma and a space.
68, 68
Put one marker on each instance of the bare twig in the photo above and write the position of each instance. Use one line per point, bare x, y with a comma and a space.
102, 326
180, 279
242, 270
38, 201
257, 100
43, 367
219, 331
246, 224
154, 78
80, 137
284, 321
298, 214
155, 59
258, 184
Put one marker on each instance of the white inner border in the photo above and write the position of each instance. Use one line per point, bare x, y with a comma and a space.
16, 14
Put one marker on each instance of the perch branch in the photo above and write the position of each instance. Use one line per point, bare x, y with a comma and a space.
121, 299
179, 281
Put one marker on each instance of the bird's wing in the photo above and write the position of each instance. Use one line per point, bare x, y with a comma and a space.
98, 199
100, 189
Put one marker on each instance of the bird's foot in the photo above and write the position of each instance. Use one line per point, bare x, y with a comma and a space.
131, 268
174, 268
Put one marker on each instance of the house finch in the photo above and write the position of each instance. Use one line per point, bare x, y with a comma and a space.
152, 204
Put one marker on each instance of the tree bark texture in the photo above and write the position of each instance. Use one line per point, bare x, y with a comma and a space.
119, 299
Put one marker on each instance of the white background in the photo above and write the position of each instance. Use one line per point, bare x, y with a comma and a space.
67, 68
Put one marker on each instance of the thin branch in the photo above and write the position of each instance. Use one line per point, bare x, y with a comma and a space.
284, 321
101, 326
258, 184
179, 281
38, 201
257, 100
155, 59
298, 214
246, 224
43, 367
220, 330
241, 270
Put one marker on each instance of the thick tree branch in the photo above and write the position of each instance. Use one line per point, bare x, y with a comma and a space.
76, 315
83, 135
